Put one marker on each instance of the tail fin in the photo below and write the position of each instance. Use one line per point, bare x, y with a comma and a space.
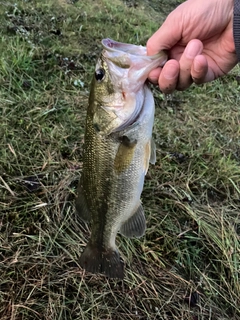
107, 262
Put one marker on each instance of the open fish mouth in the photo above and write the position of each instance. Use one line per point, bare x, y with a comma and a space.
132, 57
112, 45
128, 66
135, 50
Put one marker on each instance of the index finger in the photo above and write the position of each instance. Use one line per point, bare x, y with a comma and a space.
166, 36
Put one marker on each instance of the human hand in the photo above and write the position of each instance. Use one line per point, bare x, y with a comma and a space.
198, 36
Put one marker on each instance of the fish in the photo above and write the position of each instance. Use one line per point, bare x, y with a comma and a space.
116, 153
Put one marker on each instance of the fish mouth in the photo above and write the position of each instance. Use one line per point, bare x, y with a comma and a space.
112, 45
135, 50
128, 68
132, 57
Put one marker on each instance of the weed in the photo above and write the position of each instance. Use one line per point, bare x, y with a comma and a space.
187, 266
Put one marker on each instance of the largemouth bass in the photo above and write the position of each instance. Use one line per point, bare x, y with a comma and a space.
117, 151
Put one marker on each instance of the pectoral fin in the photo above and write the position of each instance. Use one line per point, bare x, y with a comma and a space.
135, 226
81, 205
153, 152
124, 154
150, 154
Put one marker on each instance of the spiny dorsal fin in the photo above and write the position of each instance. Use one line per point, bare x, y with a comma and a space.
135, 226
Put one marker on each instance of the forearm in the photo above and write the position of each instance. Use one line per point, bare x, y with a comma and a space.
236, 27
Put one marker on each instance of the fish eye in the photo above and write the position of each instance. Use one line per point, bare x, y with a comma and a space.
99, 74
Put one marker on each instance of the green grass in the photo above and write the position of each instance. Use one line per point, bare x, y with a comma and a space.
191, 250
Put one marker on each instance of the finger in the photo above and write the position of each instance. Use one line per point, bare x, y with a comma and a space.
193, 48
168, 77
154, 75
166, 36
200, 70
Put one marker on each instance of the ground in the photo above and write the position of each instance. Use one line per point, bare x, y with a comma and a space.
187, 265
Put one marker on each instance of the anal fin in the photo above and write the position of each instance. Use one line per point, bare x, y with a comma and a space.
81, 205
135, 226
108, 262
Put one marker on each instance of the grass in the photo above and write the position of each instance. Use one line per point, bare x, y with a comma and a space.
187, 265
